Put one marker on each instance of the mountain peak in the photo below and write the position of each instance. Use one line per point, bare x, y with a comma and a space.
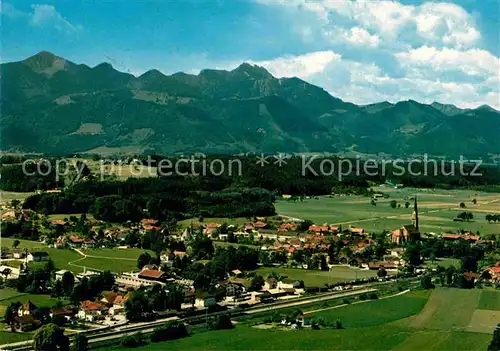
46, 62
252, 71
152, 73
486, 107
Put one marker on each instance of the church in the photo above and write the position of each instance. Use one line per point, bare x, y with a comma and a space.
408, 232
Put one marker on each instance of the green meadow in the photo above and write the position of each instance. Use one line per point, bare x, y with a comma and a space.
318, 278
417, 320
437, 208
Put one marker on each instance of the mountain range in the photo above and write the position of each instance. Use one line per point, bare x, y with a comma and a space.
52, 105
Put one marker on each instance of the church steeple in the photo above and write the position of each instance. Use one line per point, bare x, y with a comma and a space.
415, 214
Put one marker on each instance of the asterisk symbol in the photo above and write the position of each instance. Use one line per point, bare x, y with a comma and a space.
280, 159
262, 160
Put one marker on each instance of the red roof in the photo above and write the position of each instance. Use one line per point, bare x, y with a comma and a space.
149, 221
357, 230
287, 226
76, 239
260, 224
151, 227
458, 236
150, 273
58, 221
92, 306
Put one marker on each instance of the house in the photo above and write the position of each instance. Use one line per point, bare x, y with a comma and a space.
59, 274
492, 273
453, 237
234, 289
260, 225
305, 319
205, 302
287, 227
357, 230
58, 222
27, 308
88, 243
116, 301
87, 274
65, 312
270, 284
18, 254
472, 276
236, 273
397, 252
75, 241
38, 256
27, 323
91, 310
211, 228
150, 274
382, 264
180, 254
130, 280
288, 284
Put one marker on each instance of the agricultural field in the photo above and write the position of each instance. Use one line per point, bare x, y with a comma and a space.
125, 254
437, 208
23, 244
103, 264
377, 312
8, 196
9, 337
8, 293
385, 324
318, 278
37, 299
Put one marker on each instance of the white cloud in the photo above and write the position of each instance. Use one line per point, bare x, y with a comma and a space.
473, 62
42, 15
300, 66
356, 36
442, 24
48, 15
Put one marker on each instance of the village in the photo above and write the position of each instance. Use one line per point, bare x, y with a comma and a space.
341, 256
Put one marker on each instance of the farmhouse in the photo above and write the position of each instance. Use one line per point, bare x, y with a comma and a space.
27, 308
453, 237
38, 256
65, 312
59, 274
90, 310
151, 274
270, 284
492, 273
129, 280
18, 254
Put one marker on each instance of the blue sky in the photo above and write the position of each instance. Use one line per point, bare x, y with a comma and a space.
360, 51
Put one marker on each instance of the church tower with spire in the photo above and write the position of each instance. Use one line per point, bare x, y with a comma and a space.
414, 217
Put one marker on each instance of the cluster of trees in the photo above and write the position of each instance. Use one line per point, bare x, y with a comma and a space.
160, 198
170, 331
492, 218
144, 304
465, 216
89, 289
32, 177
